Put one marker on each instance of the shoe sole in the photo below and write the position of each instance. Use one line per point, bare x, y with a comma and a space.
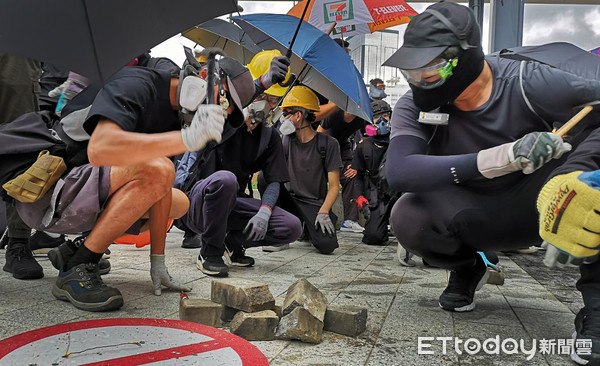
279, 248
229, 262
26, 277
42, 252
350, 230
113, 303
105, 271
470, 306
209, 272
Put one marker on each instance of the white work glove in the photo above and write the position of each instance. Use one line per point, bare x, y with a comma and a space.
160, 275
324, 221
207, 125
528, 154
57, 92
277, 71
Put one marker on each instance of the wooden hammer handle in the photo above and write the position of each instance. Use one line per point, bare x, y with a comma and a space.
574, 120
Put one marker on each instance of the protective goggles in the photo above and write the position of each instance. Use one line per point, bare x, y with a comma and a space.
431, 76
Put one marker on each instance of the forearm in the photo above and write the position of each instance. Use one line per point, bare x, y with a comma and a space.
111, 146
586, 156
326, 111
410, 170
271, 194
359, 183
332, 195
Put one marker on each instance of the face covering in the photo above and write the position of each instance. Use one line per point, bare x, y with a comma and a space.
381, 127
469, 67
375, 93
287, 127
259, 110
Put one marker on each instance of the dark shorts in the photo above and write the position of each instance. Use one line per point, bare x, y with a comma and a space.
73, 205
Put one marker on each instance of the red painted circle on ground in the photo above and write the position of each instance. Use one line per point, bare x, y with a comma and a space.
248, 353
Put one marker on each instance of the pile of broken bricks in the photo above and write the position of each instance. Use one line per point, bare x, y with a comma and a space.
255, 315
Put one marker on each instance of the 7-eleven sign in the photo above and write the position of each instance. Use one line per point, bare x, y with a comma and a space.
338, 11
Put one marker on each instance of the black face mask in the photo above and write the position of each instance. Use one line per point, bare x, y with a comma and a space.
469, 67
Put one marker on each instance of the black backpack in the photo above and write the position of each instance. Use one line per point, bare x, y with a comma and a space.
376, 176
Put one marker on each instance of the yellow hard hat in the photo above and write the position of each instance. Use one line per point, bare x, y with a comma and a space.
260, 64
303, 97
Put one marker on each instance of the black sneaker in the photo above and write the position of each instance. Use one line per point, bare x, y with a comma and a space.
103, 266
212, 266
191, 240
586, 350
458, 295
59, 256
82, 286
42, 243
20, 262
238, 258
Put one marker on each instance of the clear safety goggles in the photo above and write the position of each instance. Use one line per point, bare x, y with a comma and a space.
432, 75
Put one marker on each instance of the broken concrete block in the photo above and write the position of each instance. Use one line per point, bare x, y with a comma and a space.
304, 294
228, 314
496, 278
200, 311
346, 320
278, 308
242, 294
301, 325
258, 326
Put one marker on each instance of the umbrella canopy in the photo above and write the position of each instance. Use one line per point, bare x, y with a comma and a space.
226, 36
354, 17
317, 60
596, 51
95, 38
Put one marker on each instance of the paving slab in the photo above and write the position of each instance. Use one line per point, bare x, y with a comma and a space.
402, 302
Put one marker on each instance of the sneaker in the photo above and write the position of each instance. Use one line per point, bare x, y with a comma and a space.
405, 257
106, 254
459, 294
212, 266
275, 248
59, 256
352, 226
82, 286
42, 243
586, 349
238, 258
20, 262
104, 266
191, 240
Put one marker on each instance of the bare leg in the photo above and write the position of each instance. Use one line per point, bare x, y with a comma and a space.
134, 191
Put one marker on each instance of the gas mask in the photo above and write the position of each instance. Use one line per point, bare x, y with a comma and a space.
379, 128
375, 93
259, 111
191, 92
287, 126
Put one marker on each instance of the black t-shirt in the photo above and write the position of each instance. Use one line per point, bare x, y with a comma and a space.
368, 150
136, 99
340, 130
238, 155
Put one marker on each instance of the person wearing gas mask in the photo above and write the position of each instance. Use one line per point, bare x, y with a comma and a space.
471, 148
374, 199
377, 89
124, 181
228, 219
313, 164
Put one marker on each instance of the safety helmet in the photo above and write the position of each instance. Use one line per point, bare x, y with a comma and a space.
261, 63
303, 97
380, 106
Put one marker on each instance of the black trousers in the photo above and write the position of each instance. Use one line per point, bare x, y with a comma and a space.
307, 213
448, 227
376, 231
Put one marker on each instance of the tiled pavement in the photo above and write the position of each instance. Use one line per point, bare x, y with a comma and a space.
402, 303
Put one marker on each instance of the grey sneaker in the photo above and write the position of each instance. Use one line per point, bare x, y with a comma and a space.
275, 248
405, 257
82, 286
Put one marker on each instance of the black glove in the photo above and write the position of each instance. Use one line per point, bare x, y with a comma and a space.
277, 71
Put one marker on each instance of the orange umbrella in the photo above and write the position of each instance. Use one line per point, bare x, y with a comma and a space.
353, 17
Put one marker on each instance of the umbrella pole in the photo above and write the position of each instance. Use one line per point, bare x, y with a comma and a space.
331, 28
289, 51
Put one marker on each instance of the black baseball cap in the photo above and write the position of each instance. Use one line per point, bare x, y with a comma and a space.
430, 33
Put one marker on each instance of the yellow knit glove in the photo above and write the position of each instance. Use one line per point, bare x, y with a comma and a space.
569, 209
